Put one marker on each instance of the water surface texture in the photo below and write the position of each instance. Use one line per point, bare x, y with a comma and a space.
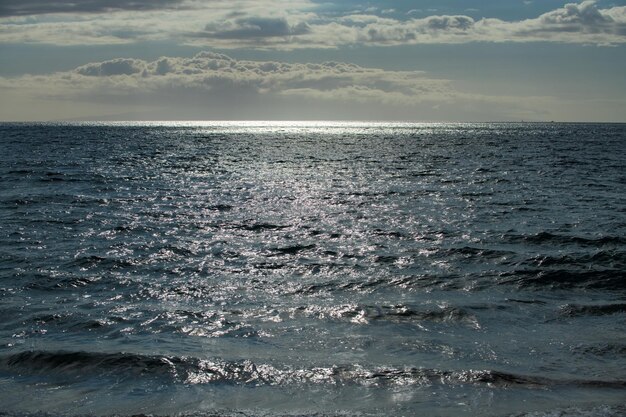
312, 269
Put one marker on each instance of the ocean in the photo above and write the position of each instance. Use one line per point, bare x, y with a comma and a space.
326, 269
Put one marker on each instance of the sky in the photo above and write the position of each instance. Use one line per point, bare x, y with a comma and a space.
418, 60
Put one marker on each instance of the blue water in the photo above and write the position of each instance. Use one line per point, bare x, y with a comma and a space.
312, 269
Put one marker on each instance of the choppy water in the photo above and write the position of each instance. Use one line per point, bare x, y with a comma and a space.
326, 269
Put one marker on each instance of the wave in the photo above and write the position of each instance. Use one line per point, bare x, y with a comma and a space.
191, 371
257, 227
604, 279
599, 411
602, 350
469, 251
606, 258
292, 250
372, 283
396, 314
558, 239
47, 282
21, 171
88, 363
89, 261
574, 310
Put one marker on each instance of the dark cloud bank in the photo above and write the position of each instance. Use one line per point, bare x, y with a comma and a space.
34, 7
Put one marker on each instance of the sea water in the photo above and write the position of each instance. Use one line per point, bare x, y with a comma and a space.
282, 269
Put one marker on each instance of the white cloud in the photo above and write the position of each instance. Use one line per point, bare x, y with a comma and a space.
188, 21
208, 71
583, 21
256, 27
119, 66
215, 86
283, 24
575, 23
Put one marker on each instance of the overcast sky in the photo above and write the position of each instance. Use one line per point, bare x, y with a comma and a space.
419, 60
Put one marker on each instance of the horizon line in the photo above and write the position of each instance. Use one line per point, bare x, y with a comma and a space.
296, 121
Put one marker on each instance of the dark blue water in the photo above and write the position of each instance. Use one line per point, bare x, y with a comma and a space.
313, 269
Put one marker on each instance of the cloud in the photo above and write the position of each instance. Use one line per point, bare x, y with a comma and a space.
255, 27
180, 21
121, 66
585, 14
37, 7
209, 71
584, 20
288, 25
215, 86
574, 23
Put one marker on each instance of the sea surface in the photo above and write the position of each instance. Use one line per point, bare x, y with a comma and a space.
327, 269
